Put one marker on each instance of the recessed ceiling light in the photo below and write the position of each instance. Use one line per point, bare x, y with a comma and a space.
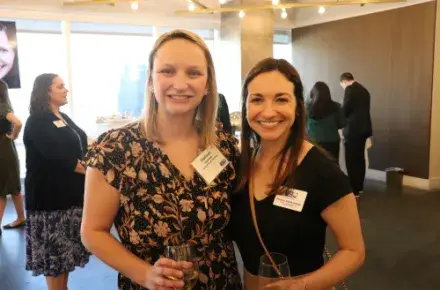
134, 5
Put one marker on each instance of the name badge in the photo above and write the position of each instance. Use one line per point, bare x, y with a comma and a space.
59, 123
210, 163
294, 199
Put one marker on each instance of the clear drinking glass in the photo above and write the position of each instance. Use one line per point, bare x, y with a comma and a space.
266, 272
184, 253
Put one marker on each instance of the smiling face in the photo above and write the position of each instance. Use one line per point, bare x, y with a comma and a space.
7, 54
179, 78
271, 106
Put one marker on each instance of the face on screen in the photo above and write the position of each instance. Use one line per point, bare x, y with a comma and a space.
7, 54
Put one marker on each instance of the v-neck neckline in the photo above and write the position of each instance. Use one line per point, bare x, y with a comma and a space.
173, 168
273, 195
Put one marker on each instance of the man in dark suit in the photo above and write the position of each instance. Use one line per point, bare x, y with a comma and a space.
223, 114
356, 108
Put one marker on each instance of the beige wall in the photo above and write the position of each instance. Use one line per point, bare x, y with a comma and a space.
434, 156
243, 42
391, 53
310, 16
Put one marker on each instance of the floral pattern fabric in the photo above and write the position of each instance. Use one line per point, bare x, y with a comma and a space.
159, 207
53, 242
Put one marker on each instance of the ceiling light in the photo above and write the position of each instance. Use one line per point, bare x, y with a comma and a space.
321, 10
241, 14
134, 5
222, 1
283, 13
191, 6
275, 2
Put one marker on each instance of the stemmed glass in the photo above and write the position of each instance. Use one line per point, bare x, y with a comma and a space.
266, 271
185, 253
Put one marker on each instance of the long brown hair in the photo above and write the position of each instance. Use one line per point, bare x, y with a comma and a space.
207, 111
250, 140
321, 103
40, 99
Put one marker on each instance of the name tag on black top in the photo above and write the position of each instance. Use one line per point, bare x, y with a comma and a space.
59, 123
293, 199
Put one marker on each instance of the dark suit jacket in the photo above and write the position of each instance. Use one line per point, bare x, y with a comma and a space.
52, 154
356, 108
223, 114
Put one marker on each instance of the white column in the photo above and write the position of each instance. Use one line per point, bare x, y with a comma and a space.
65, 30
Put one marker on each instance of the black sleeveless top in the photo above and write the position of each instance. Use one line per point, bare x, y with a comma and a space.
298, 235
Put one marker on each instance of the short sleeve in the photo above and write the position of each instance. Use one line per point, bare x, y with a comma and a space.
334, 185
230, 144
5, 105
107, 155
229, 147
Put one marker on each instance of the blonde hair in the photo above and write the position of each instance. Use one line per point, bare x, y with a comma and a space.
206, 115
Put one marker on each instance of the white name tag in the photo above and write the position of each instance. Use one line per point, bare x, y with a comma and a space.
294, 199
209, 164
59, 123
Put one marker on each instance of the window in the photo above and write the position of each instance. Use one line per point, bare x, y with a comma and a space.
282, 45
38, 53
108, 77
283, 51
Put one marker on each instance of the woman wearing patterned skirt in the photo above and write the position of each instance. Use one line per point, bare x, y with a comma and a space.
10, 127
54, 185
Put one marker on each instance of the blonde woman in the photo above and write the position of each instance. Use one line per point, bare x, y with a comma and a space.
140, 177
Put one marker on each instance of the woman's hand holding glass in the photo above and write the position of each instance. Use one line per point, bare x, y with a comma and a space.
186, 256
158, 275
287, 284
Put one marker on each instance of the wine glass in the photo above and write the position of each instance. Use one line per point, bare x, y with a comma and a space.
184, 253
266, 271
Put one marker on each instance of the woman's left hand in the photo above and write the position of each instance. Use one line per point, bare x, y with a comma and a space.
288, 284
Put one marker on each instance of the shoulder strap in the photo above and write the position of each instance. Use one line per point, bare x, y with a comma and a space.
254, 219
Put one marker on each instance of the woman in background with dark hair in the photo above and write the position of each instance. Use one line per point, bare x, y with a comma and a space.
10, 127
324, 119
54, 185
291, 188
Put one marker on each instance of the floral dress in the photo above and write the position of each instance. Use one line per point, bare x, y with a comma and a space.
159, 207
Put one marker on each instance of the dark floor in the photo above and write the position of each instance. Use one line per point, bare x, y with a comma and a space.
402, 235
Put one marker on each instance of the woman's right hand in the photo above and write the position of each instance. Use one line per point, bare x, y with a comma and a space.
157, 275
11, 136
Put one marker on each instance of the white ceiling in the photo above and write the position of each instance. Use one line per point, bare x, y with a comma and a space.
310, 16
150, 5
150, 12
161, 12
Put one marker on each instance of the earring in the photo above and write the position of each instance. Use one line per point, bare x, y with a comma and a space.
206, 92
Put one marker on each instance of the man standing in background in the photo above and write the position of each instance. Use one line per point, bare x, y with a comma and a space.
223, 114
356, 109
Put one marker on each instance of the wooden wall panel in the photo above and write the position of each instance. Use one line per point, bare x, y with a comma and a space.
391, 53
